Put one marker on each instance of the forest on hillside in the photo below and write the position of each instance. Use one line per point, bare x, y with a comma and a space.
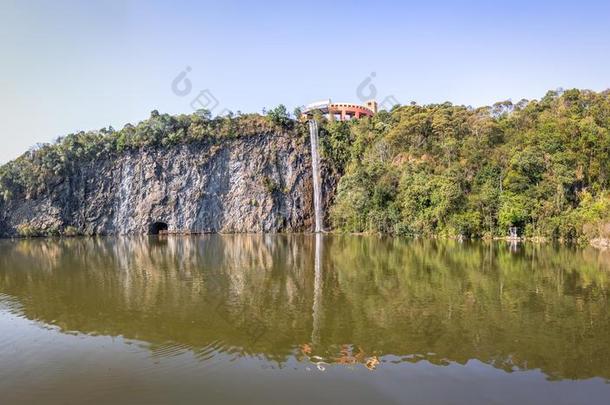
542, 166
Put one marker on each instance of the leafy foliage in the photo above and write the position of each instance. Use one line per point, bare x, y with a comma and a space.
542, 166
280, 116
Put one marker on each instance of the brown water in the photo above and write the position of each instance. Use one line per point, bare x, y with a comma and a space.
301, 319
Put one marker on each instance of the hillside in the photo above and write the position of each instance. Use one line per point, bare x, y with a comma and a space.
184, 174
542, 166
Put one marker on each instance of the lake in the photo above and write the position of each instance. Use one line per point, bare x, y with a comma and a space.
302, 319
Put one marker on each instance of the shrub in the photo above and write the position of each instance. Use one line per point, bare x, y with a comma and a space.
270, 185
29, 231
71, 231
280, 116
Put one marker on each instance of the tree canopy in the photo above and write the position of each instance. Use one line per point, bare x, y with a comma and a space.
541, 166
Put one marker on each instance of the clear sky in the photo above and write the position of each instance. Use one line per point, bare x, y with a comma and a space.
72, 65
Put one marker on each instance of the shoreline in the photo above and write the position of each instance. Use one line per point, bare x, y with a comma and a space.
597, 243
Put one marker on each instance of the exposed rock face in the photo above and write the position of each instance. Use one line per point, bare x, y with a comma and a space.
257, 183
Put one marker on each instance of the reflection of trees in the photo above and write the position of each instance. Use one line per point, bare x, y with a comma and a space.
193, 291
538, 307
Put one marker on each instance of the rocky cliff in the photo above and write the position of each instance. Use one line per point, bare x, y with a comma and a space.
254, 183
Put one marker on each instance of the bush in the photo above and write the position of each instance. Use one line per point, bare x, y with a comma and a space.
71, 231
29, 231
466, 224
280, 116
335, 142
271, 185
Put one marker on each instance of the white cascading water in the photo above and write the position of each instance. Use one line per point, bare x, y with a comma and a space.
317, 179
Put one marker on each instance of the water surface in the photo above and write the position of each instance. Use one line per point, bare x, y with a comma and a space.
302, 318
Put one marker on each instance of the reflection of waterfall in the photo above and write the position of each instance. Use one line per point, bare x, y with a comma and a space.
317, 291
315, 168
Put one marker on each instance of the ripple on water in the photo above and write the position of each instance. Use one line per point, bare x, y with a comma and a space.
10, 304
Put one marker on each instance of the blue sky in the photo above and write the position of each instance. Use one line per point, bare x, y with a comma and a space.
72, 65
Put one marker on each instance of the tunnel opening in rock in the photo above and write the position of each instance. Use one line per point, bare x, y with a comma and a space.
158, 228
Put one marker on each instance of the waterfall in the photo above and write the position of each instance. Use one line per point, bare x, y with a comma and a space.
315, 169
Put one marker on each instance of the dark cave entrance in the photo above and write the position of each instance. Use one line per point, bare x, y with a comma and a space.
157, 228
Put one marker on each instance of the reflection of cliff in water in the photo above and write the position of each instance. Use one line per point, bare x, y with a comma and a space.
539, 307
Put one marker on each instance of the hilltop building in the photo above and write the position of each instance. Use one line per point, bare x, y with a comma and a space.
340, 111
